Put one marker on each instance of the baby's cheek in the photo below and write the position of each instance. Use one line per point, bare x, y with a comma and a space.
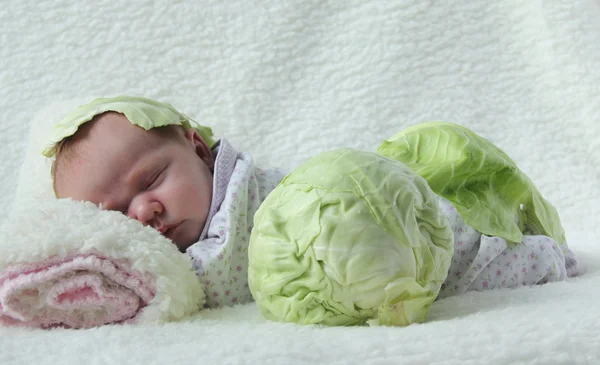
193, 194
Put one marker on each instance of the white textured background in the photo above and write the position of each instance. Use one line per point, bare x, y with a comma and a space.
285, 80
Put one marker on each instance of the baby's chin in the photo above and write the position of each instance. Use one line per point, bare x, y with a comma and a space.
186, 235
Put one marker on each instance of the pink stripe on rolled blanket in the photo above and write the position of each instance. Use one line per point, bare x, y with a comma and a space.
79, 291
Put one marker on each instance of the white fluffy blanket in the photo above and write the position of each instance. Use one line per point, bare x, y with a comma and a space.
285, 80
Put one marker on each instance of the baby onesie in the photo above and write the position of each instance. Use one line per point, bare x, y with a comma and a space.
479, 262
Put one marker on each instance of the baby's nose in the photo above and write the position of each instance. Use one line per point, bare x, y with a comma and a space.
146, 212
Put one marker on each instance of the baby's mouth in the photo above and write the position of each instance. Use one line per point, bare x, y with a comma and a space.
169, 230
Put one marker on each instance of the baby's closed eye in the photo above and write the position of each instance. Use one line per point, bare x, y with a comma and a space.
154, 179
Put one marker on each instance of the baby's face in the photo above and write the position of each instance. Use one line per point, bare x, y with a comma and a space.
162, 182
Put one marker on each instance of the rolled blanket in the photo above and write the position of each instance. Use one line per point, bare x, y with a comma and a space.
83, 290
70, 264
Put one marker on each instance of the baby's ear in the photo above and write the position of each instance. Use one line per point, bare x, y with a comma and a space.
200, 147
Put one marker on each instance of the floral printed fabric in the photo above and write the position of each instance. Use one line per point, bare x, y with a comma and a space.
220, 257
481, 262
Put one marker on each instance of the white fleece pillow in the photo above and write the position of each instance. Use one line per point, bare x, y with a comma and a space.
55, 237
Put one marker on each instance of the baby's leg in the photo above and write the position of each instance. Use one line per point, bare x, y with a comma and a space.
537, 260
482, 262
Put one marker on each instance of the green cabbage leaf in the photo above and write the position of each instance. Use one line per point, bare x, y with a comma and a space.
482, 182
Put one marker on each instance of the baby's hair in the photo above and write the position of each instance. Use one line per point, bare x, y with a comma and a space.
66, 149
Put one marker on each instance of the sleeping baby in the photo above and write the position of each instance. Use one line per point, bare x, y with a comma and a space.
348, 237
